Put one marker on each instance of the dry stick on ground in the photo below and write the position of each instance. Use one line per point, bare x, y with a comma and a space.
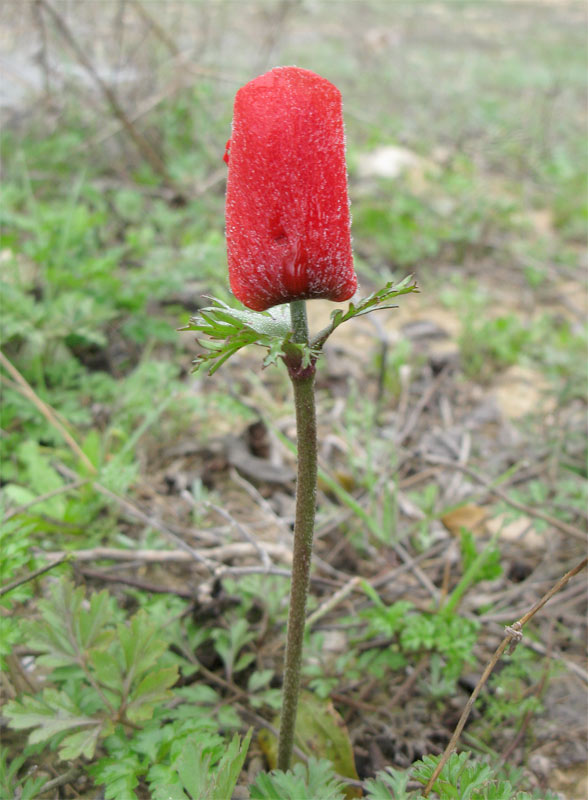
256, 495
227, 552
282, 524
537, 692
145, 586
42, 497
203, 589
43, 59
25, 388
420, 407
136, 513
156, 27
209, 556
263, 554
565, 527
32, 575
143, 146
513, 636
333, 601
67, 777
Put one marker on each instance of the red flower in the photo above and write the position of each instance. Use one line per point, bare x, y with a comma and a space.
287, 209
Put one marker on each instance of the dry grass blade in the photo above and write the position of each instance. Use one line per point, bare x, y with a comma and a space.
26, 389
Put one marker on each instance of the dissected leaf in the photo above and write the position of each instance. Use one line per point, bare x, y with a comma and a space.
229, 329
303, 782
140, 646
152, 689
229, 767
82, 743
378, 300
69, 627
118, 775
201, 771
389, 784
165, 784
53, 713
321, 733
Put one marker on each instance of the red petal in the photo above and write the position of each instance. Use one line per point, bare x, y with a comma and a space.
287, 208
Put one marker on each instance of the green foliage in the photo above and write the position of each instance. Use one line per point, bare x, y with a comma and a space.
445, 636
490, 344
102, 672
477, 566
461, 778
457, 779
302, 782
376, 301
40, 477
511, 699
465, 779
182, 755
389, 784
229, 644
11, 785
442, 213
228, 330
490, 567
15, 555
200, 774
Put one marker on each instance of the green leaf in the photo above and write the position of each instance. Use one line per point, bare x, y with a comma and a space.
69, 628
165, 784
378, 300
107, 669
390, 784
205, 772
229, 329
118, 775
303, 782
489, 568
260, 679
140, 646
53, 713
229, 767
458, 779
151, 690
82, 743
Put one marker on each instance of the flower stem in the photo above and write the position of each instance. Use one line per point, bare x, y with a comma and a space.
299, 321
303, 384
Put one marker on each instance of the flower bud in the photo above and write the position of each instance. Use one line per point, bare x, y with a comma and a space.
287, 208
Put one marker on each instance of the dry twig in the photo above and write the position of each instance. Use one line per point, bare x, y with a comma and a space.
32, 575
513, 636
210, 554
143, 146
42, 497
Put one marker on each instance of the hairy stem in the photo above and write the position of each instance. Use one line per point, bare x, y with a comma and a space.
299, 321
303, 384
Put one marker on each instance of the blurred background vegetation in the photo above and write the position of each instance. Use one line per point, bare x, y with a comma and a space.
466, 137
